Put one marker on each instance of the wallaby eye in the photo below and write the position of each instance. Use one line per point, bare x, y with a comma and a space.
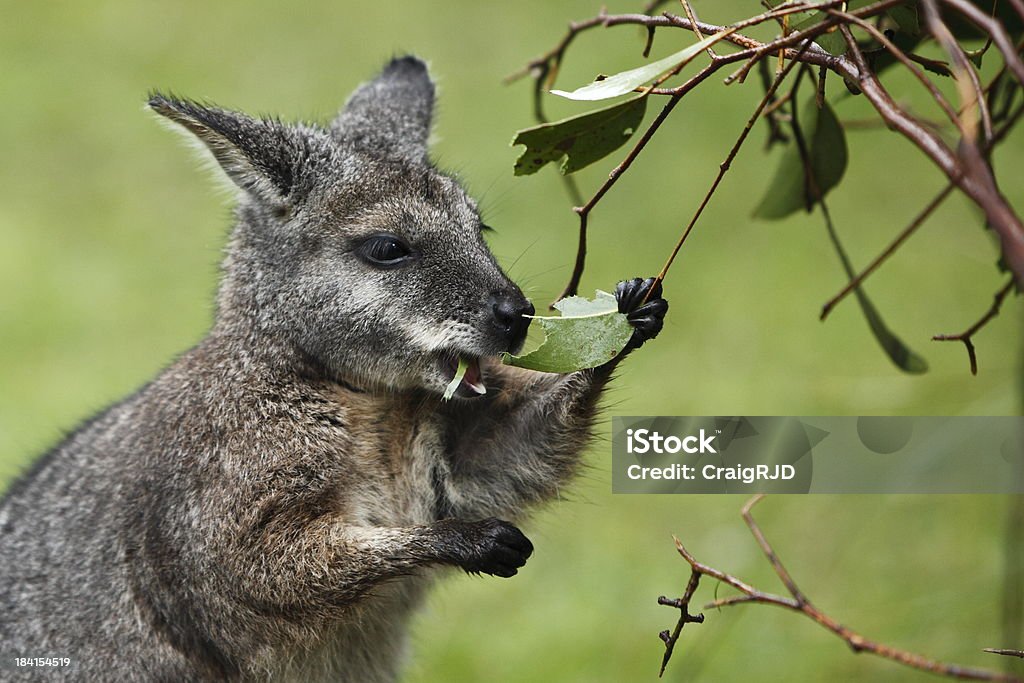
385, 251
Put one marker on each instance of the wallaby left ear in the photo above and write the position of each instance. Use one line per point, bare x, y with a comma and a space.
261, 156
390, 115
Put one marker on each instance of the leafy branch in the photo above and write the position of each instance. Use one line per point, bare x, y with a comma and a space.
854, 40
798, 602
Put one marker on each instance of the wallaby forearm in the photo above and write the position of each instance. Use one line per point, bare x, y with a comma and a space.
330, 564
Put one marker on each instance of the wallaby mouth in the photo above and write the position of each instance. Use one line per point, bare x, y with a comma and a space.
472, 384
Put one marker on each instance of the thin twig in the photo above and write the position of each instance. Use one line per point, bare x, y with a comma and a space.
683, 605
724, 167
967, 334
801, 604
1007, 653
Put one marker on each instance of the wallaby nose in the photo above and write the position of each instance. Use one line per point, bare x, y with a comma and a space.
510, 310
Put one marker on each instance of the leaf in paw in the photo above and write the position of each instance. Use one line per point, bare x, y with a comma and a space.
647, 317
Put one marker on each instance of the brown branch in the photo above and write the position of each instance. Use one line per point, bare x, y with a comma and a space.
996, 30
971, 178
972, 97
967, 334
904, 60
1007, 653
917, 222
801, 604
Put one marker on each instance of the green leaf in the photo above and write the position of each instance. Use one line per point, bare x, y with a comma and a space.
582, 139
899, 353
627, 81
460, 372
587, 334
790, 189
832, 42
905, 18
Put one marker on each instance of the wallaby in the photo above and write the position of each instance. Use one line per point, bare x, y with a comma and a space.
274, 503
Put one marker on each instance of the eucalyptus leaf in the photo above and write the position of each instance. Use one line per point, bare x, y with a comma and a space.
582, 139
790, 190
899, 353
627, 81
587, 334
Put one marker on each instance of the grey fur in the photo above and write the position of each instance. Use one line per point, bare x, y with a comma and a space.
273, 505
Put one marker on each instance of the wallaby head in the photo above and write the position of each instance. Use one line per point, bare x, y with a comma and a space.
351, 248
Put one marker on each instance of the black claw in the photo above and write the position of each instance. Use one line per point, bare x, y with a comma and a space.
655, 307
645, 316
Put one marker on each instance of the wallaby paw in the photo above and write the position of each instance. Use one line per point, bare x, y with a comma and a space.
496, 548
647, 318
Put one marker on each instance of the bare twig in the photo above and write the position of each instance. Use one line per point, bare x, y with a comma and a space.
1007, 653
798, 602
966, 335
683, 605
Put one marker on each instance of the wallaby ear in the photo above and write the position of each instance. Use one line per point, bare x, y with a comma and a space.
261, 156
391, 114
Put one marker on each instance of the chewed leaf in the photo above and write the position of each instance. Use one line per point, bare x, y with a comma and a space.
578, 306
791, 189
627, 81
460, 372
587, 334
582, 139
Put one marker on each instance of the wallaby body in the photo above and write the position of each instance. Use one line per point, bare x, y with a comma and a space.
272, 506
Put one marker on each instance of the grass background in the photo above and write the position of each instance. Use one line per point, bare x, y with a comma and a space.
110, 237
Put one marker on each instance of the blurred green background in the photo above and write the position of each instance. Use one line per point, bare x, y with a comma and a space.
110, 236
